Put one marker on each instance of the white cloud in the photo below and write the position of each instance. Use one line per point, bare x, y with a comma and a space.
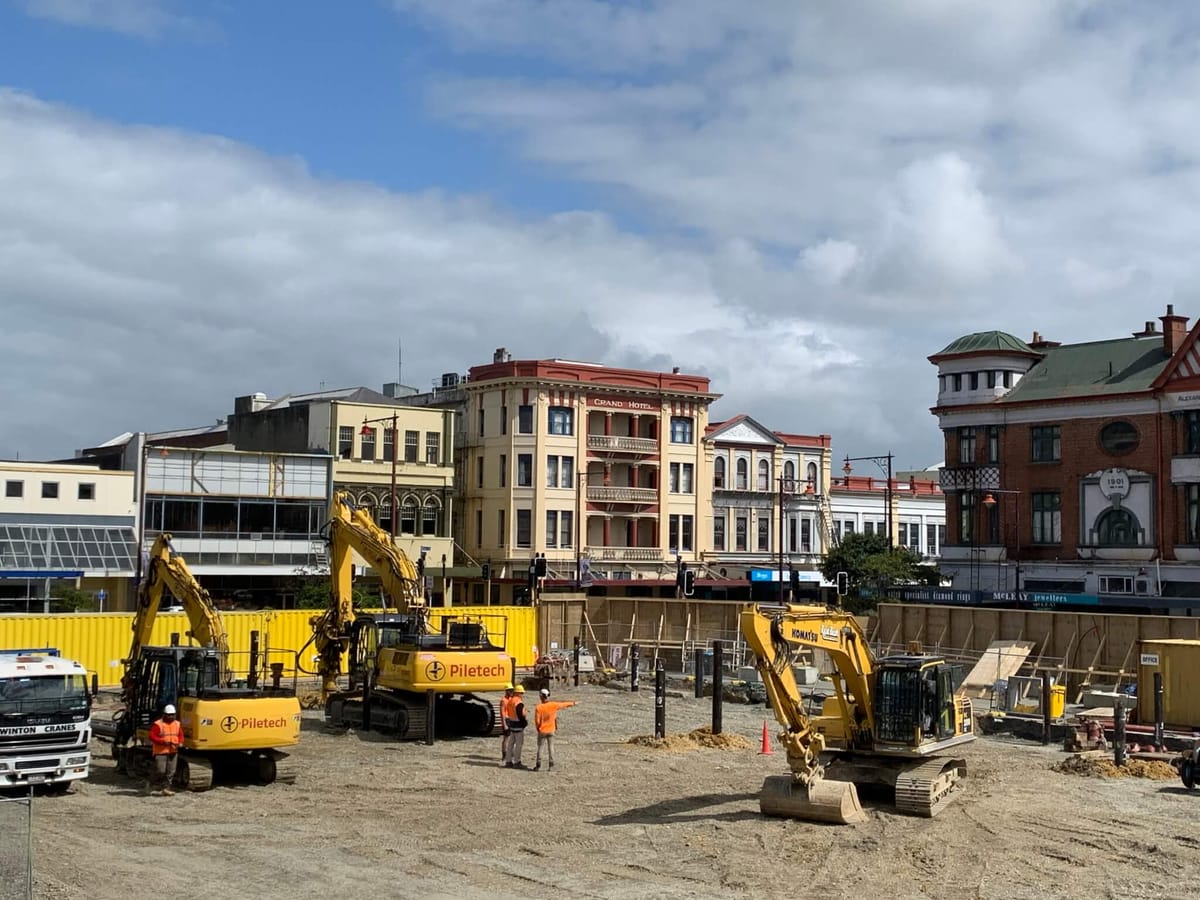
830, 261
136, 18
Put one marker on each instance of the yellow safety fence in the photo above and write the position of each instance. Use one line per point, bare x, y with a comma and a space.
101, 640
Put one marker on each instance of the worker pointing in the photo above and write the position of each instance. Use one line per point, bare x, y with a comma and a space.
545, 717
166, 739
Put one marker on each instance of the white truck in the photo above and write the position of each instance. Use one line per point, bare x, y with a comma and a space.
45, 720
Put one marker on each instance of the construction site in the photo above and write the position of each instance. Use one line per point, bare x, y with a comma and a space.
654, 792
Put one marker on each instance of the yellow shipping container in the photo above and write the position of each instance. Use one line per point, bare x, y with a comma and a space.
1179, 662
100, 640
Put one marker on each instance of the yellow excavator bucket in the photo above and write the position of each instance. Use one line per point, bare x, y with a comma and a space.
822, 801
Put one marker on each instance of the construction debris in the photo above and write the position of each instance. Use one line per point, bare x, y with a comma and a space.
1104, 767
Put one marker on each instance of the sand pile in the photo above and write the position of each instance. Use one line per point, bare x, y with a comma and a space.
1104, 767
693, 740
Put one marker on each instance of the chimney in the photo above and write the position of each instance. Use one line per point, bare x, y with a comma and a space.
1174, 329
501, 355
675, 370
1149, 331
1040, 343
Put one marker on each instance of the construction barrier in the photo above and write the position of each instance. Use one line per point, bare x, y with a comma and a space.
100, 641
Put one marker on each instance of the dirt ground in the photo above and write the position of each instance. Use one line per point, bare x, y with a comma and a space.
371, 817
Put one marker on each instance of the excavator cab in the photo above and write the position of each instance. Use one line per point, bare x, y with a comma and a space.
915, 701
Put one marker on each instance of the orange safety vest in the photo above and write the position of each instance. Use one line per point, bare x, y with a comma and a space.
545, 716
166, 737
506, 707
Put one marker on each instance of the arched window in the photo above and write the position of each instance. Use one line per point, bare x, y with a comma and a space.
408, 516
789, 472
1117, 527
429, 517
743, 475
764, 475
812, 477
719, 472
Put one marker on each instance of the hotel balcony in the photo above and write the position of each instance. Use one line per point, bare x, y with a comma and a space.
621, 494
613, 443
626, 554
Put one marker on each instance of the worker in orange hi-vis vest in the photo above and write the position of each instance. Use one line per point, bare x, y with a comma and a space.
507, 702
545, 717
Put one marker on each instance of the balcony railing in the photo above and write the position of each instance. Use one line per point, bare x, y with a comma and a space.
622, 444
626, 554
622, 495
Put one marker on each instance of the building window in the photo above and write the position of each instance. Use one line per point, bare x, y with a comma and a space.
503, 474
408, 516
958, 382
789, 474
764, 475
966, 517
931, 540
679, 534
49, 490
501, 537
837, 530
743, 475
719, 533
719, 472
1193, 513
991, 379
848, 527
764, 534
412, 440
367, 445
974, 381
524, 527
429, 519
566, 525
868, 527
479, 527
993, 444
525, 418
389, 444
524, 470
87, 491
1191, 442
504, 420
1008, 381
1047, 518
812, 477
966, 445
345, 441
479, 476
562, 420
567, 467
1119, 438
1118, 527
481, 419
739, 534
551, 528
14, 489
993, 523
1047, 443
681, 429
433, 447
680, 475
806, 536
551, 471
1115, 584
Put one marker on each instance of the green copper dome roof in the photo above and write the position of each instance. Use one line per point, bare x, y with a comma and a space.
985, 341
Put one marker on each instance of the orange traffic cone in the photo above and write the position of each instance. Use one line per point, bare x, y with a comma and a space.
766, 741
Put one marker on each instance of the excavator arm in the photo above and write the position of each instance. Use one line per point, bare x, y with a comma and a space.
168, 571
351, 530
775, 633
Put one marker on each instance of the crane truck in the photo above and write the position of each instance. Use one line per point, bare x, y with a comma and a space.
396, 660
231, 730
45, 720
888, 723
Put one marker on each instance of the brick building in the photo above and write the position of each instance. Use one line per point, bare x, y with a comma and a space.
1072, 472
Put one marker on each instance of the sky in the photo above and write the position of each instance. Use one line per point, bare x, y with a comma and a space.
201, 199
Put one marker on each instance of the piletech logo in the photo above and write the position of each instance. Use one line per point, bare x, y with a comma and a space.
435, 671
229, 724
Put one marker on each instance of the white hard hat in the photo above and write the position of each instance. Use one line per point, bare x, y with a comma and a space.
545, 692
169, 709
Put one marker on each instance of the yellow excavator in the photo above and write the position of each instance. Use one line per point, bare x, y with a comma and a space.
230, 730
400, 668
886, 724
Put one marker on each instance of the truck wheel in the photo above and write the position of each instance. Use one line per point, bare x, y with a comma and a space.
1187, 772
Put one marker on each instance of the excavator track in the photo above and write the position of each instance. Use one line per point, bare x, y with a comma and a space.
926, 789
193, 773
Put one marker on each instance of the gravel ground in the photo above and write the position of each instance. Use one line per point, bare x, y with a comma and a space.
385, 819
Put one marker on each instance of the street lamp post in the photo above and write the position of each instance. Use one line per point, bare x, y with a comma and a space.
885, 464
785, 483
580, 510
393, 418
990, 501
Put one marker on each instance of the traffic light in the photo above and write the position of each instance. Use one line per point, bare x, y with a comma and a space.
689, 582
421, 565
843, 584
485, 571
795, 579
539, 566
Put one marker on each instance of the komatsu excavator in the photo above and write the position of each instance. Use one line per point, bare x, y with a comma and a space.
397, 661
887, 723
232, 729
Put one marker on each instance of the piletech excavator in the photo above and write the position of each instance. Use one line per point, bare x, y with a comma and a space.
396, 660
232, 729
887, 723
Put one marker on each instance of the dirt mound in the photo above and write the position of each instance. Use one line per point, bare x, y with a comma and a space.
1103, 767
693, 740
